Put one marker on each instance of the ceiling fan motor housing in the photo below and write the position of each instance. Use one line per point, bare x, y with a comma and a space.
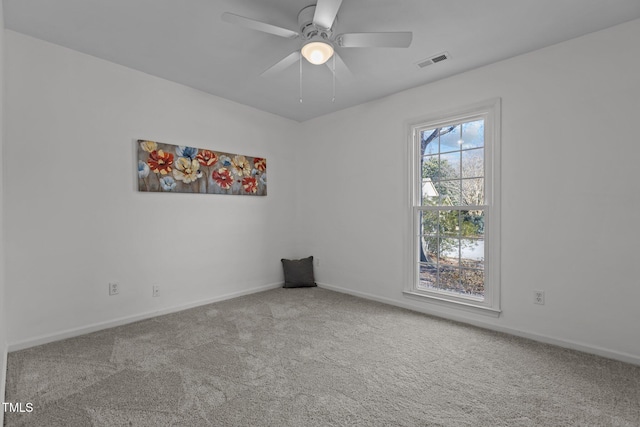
308, 29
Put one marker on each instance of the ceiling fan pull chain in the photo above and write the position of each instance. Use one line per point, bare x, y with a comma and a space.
300, 79
333, 100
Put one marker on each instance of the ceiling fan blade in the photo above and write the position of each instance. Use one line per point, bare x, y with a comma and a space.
258, 25
343, 73
283, 64
326, 11
402, 39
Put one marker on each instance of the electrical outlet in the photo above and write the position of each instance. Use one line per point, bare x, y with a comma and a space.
156, 290
317, 260
114, 288
538, 297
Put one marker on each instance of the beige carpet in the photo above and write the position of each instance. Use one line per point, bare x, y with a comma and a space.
312, 357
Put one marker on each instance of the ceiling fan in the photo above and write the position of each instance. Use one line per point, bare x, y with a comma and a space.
318, 41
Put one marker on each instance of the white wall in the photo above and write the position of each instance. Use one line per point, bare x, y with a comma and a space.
570, 191
76, 220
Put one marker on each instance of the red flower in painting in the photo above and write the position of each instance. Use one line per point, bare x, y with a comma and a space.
160, 162
222, 177
207, 158
260, 164
250, 184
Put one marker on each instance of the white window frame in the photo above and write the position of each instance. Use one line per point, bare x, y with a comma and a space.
490, 112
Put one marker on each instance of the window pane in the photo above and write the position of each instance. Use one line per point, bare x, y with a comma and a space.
429, 221
472, 191
472, 223
449, 192
428, 276
429, 248
449, 140
473, 134
430, 200
473, 163
450, 223
449, 166
473, 282
430, 167
472, 253
449, 252
430, 195
426, 138
449, 279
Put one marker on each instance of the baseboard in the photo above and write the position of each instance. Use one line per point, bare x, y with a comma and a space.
599, 351
70, 333
585, 348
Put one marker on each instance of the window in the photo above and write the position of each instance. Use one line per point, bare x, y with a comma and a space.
455, 208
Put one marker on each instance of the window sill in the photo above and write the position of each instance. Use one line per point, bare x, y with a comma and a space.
469, 307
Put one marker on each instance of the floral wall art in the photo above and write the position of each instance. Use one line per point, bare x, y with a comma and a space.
168, 168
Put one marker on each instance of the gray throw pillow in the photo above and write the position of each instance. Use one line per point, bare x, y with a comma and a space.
298, 273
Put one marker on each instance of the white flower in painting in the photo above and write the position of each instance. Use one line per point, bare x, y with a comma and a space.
186, 170
143, 169
241, 166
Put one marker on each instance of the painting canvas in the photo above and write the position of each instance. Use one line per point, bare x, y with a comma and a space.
168, 168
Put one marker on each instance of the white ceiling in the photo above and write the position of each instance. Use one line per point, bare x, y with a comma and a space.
186, 41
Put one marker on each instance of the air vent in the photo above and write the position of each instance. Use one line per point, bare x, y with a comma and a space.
433, 60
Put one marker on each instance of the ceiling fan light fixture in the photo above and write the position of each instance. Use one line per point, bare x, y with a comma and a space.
317, 51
